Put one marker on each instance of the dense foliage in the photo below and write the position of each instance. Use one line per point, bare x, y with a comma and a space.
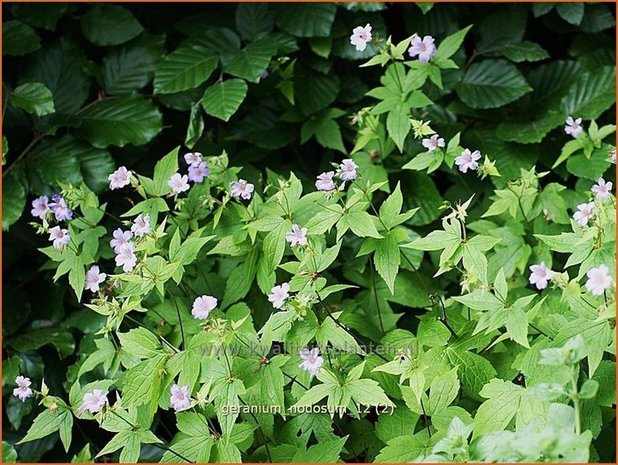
309, 232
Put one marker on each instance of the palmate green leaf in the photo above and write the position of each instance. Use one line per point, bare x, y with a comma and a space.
442, 392
387, 259
323, 452
449, 46
130, 442
33, 97
591, 94
492, 84
240, 280
250, 62
222, 100
140, 342
132, 66
18, 39
48, 422
361, 223
185, 68
141, 384
308, 19
496, 413
121, 120
107, 24
401, 450
473, 370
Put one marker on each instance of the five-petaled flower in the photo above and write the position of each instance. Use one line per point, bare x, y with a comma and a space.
573, 127
312, 361
125, 257
347, 170
602, 190
325, 182
423, 48
94, 401
202, 306
242, 189
119, 178
22, 391
179, 183
59, 206
194, 158
198, 172
433, 142
360, 36
141, 225
180, 398
599, 280
40, 207
120, 237
59, 237
297, 236
279, 294
468, 160
540, 275
93, 278
584, 212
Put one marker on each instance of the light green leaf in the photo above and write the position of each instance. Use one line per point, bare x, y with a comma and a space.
33, 97
223, 99
185, 68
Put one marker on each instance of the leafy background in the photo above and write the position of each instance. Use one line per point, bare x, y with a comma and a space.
87, 88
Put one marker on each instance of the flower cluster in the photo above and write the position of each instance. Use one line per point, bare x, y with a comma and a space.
346, 171
422, 47
58, 209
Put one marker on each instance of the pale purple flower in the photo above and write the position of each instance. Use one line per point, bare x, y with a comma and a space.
423, 48
180, 398
179, 183
298, 236
198, 172
584, 212
468, 160
202, 306
94, 278
119, 178
599, 280
573, 127
602, 190
125, 257
141, 225
40, 207
347, 170
540, 275
612, 155
325, 182
120, 237
360, 36
279, 294
94, 401
59, 206
242, 189
194, 158
22, 391
433, 143
60, 237
312, 361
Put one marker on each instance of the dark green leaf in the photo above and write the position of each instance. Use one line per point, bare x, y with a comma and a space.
185, 68
307, 19
18, 39
120, 121
107, 24
223, 99
492, 84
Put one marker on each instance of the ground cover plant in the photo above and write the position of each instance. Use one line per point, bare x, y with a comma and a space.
309, 232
